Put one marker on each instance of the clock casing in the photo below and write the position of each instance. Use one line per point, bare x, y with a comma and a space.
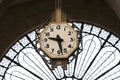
58, 40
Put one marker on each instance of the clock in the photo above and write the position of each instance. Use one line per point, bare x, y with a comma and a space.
58, 40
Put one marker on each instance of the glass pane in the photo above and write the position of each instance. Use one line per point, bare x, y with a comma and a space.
11, 54
95, 30
118, 45
113, 39
32, 35
78, 25
5, 62
29, 59
104, 34
2, 71
17, 47
87, 27
24, 41
0, 78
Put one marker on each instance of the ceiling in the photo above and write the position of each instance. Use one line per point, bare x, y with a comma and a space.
114, 4
19, 16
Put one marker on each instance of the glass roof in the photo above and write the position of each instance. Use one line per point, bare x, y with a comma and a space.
98, 57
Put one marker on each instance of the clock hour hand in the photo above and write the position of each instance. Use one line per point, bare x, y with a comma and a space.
54, 39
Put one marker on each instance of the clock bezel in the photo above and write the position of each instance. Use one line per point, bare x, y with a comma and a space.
65, 56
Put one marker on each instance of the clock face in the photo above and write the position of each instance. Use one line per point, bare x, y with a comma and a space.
58, 40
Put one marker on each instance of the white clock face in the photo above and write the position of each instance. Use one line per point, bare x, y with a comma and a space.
58, 40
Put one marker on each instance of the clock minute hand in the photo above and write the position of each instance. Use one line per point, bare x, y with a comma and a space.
59, 40
60, 46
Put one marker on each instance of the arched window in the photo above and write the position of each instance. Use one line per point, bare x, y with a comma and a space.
99, 58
